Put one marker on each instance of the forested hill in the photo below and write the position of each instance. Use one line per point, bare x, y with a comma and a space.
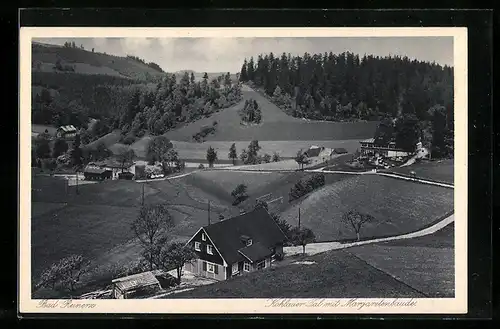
344, 86
413, 99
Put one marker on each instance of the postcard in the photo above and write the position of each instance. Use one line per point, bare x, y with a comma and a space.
243, 170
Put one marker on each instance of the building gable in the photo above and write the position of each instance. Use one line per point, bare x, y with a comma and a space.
215, 257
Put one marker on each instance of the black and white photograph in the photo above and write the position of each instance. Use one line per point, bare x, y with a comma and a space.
298, 171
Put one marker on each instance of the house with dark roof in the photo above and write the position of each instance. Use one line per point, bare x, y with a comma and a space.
235, 246
314, 151
116, 167
93, 172
339, 150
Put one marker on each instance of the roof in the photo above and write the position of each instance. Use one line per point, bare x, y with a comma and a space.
257, 224
113, 163
135, 281
68, 129
313, 152
255, 252
94, 170
340, 150
369, 140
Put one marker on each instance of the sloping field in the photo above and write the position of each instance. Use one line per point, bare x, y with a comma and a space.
275, 126
87, 230
398, 207
440, 171
425, 263
334, 274
41, 129
109, 140
221, 183
88, 62
228, 180
98, 218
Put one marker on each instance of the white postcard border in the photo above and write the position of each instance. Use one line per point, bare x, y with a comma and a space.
457, 305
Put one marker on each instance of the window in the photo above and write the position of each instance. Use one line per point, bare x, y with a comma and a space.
210, 268
246, 267
197, 246
235, 268
249, 242
261, 265
209, 250
203, 237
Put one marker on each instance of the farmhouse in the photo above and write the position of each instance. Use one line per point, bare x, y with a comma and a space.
67, 132
314, 151
368, 148
115, 167
93, 172
235, 246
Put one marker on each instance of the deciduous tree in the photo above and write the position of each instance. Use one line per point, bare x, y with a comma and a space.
301, 159
125, 156
302, 236
174, 256
65, 273
151, 229
356, 220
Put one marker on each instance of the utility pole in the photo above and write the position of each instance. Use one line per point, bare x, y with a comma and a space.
142, 199
77, 192
299, 217
208, 212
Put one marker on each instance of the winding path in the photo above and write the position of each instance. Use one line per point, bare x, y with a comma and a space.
315, 248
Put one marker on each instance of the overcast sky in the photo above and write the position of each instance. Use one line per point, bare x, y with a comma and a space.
227, 54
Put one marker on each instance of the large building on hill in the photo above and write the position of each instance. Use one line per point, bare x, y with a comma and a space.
369, 148
235, 246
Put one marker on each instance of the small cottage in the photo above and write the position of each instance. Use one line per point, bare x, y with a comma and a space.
314, 151
235, 246
135, 286
115, 167
66, 132
93, 172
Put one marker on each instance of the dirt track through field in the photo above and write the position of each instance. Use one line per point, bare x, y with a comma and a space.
316, 248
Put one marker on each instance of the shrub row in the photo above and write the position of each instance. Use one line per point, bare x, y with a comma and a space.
306, 185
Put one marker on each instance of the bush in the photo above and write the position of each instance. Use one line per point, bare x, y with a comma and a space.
239, 194
201, 166
306, 185
279, 257
166, 280
140, 172
251, 112
128, 139
49, 164
204, 132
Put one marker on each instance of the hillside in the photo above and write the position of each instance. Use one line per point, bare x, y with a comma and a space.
198, 76
45, 57
334, 274
398, 207
276, 126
